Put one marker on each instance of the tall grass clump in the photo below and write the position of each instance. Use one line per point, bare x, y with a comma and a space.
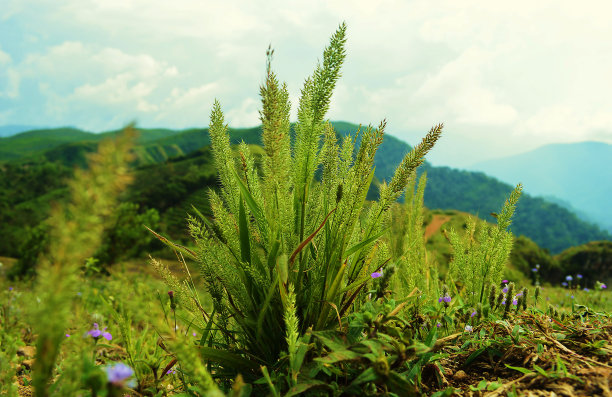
479, 256
407, 237
285, 249
76, 229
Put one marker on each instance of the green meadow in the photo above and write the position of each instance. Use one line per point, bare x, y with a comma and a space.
290, 259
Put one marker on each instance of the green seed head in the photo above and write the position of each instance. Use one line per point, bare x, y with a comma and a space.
524, 298
492, 294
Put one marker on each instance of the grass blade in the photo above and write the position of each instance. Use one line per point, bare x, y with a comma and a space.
245, 243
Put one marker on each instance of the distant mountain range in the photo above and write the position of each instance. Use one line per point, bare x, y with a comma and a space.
577, 175
36, 164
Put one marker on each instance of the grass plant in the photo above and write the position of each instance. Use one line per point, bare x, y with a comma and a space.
289, 230
76, 231
480, 255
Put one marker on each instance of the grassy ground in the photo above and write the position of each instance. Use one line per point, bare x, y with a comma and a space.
564, 350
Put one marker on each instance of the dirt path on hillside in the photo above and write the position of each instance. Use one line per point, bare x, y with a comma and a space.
434, 226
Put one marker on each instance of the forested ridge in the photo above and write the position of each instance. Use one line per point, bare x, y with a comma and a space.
174, 171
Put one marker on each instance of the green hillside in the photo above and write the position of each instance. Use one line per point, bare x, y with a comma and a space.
548, 224
173, 171
577, 173
33, 142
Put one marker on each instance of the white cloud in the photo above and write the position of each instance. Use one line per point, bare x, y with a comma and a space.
11, 84
115, 90
493, 72
459, 89
93, 86
247, 114
4, 58
5, 116
171, 71
183, 108
563, 123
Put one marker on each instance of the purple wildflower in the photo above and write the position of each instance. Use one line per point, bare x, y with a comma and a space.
438, 324
534, 269
10, 288
194, 334
586, 289
579, 276
473, 313
603, 286
118, 373
564, 284
446, 298
95, 333
468, 328
376, 274
515, 301
572, 296
171, 371
569, 278
505, 290
505, 281
67, 335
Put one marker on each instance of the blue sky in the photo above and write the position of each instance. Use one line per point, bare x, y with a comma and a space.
504, 77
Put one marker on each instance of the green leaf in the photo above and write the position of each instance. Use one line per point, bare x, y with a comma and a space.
274, 252
339, 355
431, 338
252, 204
399, 385
481, 385
474, 356
448, 392
245, 243
208, 327
362, 244
414, 371
355, 284
375, 346
172, 245
266, 306
520, 369
300, 355
329, 339
228, 359
307, 240
541, 371
369, 375
266, 374
303, 386
494, 386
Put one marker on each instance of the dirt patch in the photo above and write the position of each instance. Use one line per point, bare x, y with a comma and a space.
435, 225
543, 359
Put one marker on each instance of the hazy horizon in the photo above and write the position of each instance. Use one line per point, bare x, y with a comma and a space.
504, 78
